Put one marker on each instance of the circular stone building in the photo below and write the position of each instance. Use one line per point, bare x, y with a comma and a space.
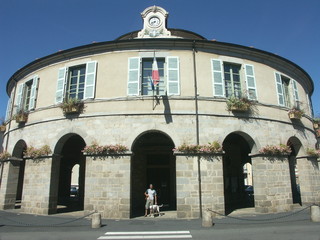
154, 90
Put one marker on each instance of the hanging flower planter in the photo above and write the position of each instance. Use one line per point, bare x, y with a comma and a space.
4, 156
295, 113
36, 153
275, 150
21, 117
242, 104
98, 151
316, 123
313, 152
192, 149
2, 128
72, 106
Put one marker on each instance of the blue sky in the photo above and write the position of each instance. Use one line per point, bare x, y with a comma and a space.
35, 28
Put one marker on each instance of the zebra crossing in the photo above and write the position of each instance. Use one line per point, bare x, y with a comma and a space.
146, 235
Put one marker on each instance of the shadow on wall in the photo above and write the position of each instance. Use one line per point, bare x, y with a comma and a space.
167, 109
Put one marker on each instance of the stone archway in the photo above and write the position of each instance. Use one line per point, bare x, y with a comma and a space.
295, 146
153, 162
68, 153
237, 147
13, 187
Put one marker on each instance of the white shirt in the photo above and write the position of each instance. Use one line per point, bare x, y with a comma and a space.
151, 193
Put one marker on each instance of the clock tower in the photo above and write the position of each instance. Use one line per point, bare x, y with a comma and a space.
154, 23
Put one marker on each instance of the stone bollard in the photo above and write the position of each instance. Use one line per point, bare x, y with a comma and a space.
96, 220
315, 213
207, 219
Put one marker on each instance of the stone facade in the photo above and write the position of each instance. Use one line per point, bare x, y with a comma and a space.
272, 187
151, 126
107, 187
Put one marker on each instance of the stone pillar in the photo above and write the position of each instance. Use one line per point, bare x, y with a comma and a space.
272, 186
108, 186
36, 186
187, 187
9, 184
309, 179
212, 183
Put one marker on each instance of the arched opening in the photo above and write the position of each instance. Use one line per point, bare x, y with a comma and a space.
153, 162
295, 146
17, 169
237, 172
68, 182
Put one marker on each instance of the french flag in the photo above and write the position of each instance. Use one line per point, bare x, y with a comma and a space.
155, 72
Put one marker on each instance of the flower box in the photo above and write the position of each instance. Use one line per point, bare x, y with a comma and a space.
242, 104
72, 106
21, 118
2, 128
294, 116
238, 109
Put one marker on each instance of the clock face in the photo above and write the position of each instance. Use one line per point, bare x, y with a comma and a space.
154, 21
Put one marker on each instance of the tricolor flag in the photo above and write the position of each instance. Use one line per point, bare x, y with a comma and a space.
155, 72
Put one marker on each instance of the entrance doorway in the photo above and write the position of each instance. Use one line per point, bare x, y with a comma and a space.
70, 177
153, 162
238, 187
295, 146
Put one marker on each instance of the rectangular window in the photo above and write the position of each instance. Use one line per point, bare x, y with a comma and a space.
140, 76
285, 86
27, 94
147, 83
232, 80
75, 84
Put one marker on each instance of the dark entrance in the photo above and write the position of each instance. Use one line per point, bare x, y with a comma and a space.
18, 169
153, 162
295, 146
69, 197
236, 193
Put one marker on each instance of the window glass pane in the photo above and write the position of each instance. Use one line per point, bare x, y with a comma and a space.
146, 83
217, 77
216, 65
232, 79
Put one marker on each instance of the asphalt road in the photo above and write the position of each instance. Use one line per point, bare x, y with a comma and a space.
284, 226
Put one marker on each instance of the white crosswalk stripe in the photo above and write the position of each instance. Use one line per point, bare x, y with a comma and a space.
146, 235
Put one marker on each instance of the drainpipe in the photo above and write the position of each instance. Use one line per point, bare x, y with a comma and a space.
197, 121
9, 126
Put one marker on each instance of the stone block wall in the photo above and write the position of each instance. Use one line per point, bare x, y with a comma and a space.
36, 186
8, 189
272, 186
212, 183
107, 186
309, 178
188, 185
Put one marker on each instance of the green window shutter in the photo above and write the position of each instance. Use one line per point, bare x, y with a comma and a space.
20, 97
61, 82
33, 94
90, 80
279, 89
9, 107
173, 76
217, 78
251, 82
133, 76
295, 91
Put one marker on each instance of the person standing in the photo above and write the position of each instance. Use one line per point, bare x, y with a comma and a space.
151, 198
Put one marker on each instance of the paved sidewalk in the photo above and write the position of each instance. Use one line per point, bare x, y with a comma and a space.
245, 225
